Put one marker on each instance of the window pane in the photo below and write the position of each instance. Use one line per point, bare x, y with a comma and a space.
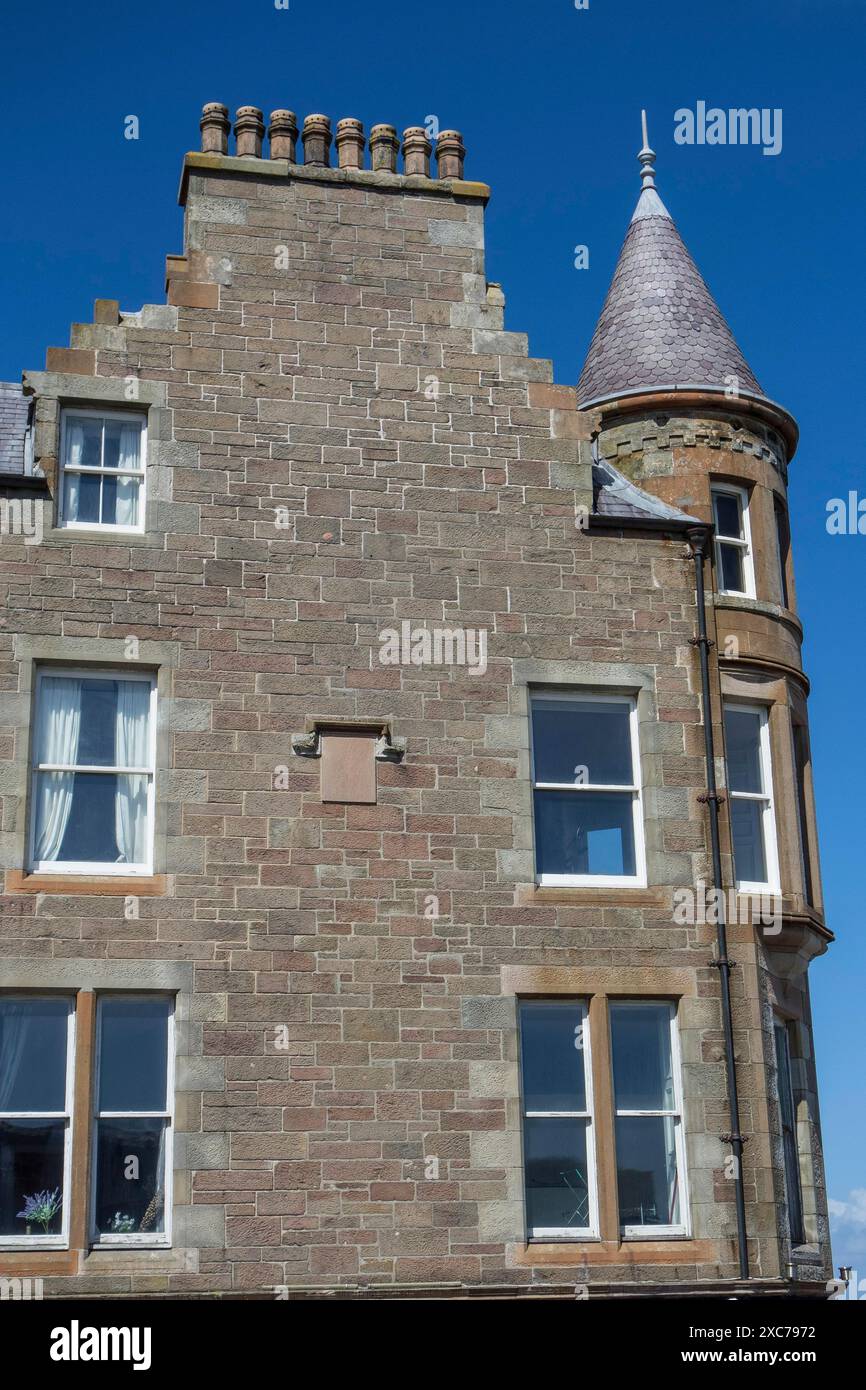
743, 747
750, 862
81, 497
552, 1042
642, 1056
130, 1176
801, 759
83, 435
113, 722
731, 561
31, 1166
584, 833
58, 719
120, 501
557, 1181
576, 734
133, 1058
98, 715
78, 817
789, 1134
122, 444
785, 1103
646, 1164
33, 1035
782, 547
728, 515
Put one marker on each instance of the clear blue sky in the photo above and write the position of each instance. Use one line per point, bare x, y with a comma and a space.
548, 98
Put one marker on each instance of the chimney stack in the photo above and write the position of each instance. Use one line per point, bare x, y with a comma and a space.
384, 147
283, 135
350, 143
317, 140
214, 127
416, 151
249, 130
282, 131
450, 154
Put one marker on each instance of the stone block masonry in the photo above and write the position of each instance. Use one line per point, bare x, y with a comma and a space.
342, 437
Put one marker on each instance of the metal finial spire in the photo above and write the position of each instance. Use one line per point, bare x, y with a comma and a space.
646, 157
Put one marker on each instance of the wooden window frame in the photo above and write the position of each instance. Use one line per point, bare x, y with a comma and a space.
59, 1241
591, 1230
61, 1253
108, 1240
608, 1229
682, 1227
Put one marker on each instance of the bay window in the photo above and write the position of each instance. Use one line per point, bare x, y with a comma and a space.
93, 772
733, 543
36, 1058
750, 788
102, 470
586, 790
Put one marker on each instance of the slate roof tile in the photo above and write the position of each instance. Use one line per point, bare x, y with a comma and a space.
15, 410
659, 325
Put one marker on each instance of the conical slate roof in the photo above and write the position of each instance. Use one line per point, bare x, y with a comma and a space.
659, 326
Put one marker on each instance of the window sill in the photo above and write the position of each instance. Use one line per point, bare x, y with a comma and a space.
25, 1263
671, 1250
66, 535
110, 886
120, 1247
14, 1246
593, 897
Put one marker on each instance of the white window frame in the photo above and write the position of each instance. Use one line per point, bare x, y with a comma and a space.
683, 1227
76, 412
768, 816
88, 867
59, 1241
568, 1233
109, 1239
743, 542
638, 878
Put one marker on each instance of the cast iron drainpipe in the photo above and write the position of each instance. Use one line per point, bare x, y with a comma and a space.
697, 539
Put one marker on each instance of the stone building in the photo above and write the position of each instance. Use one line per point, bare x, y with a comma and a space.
410, 868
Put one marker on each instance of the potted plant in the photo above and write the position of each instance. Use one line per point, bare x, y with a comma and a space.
41, 1208
120, 1224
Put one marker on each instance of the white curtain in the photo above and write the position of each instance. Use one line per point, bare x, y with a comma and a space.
58, 727
74, 456
127, 488
131, 741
